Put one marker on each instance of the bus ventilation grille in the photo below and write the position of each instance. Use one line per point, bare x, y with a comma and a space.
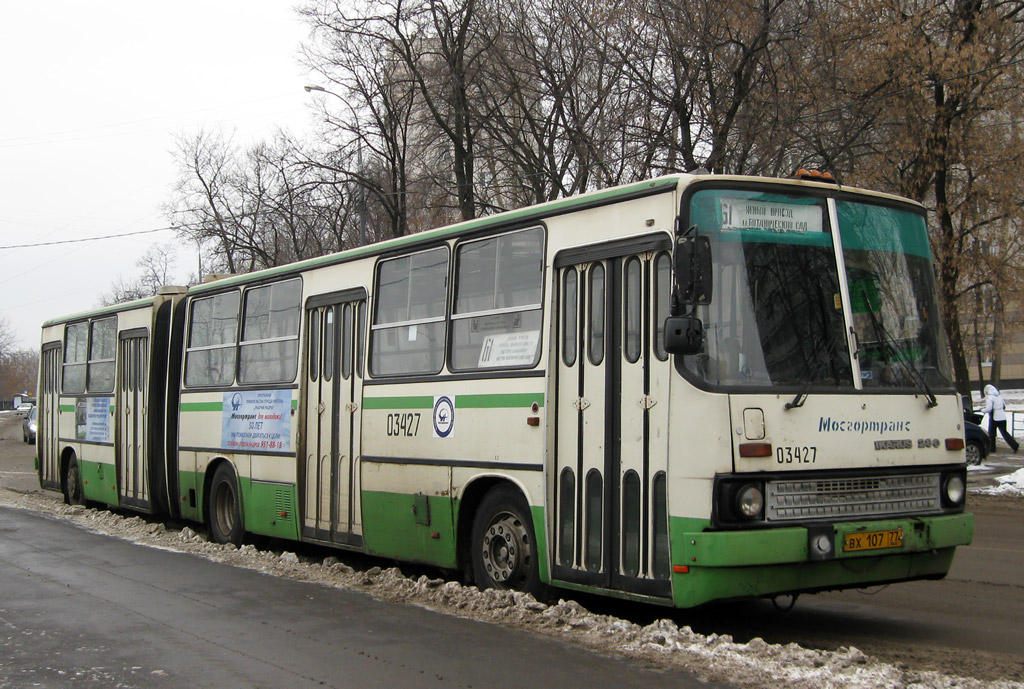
832, 498
283, 504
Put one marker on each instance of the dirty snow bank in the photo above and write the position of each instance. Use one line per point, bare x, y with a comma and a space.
1010, 484
662, 643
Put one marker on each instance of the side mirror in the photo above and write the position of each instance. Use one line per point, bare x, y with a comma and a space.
684, 335
693, 269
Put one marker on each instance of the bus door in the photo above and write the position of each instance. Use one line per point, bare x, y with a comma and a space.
47, 415
334, 325
611, 418
133, 419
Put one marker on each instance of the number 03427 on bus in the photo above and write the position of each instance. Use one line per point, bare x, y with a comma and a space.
692, 388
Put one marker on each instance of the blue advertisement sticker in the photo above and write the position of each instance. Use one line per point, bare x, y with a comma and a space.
92, 419
257, 420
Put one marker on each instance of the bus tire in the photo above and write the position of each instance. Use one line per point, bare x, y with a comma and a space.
73, 494
504, 550
222, 509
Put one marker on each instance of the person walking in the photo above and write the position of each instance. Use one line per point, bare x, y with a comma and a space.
995, 407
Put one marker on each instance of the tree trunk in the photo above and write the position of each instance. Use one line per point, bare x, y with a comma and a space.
997, 342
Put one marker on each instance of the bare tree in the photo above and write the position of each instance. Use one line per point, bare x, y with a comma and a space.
8, 338
157, 270
18, 373
367, 118
18, 368
205, 204
447, 109
255, 208
439, 46
944, 135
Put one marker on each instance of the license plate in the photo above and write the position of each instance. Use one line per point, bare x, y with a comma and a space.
873, 540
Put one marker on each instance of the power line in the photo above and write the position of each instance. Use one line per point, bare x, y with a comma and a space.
89, 239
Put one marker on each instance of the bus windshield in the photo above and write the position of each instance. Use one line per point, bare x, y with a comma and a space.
776, 318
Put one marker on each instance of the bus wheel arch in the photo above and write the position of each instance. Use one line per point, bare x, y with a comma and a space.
502, 548
222, 503
469, 503
71, 478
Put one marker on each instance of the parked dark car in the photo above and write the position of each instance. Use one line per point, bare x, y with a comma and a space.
28, 426
975, 442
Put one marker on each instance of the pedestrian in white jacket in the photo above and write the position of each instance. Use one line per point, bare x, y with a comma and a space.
995, 407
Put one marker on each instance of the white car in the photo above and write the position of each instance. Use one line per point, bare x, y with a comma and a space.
24, 409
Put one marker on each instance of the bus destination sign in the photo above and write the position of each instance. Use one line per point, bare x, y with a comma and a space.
770, 216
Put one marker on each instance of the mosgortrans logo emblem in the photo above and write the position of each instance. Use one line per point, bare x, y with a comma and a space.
444, 417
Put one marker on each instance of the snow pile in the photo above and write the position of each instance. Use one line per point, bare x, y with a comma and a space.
1010, 484
715, 658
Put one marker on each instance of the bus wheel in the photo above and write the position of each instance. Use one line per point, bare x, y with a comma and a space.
73, 483
504, 553
225, 521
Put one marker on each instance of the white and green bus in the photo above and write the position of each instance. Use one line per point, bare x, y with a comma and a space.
693, 388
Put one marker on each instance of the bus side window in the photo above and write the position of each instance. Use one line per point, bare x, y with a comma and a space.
102, 347
269, 351
408, 329
497, 308
212, 330
76, 355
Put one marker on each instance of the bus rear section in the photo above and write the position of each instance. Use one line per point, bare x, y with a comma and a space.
102, 397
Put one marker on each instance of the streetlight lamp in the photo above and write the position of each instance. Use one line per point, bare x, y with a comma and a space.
359, 161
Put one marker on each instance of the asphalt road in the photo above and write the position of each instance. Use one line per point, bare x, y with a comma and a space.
970, 623
81, 609
75, 604
87, 610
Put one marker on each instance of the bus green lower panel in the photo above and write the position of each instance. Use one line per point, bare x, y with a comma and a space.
270, 508
414, 527
704, 584
99, 481
732, 564
543, 569
190, 486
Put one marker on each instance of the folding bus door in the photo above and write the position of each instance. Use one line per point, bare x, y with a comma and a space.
334, 326
48, 415
611, 425
133, 419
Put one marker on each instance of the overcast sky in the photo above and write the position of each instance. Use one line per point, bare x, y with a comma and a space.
92, 95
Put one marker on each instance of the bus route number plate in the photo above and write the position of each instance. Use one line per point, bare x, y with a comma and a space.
873, 540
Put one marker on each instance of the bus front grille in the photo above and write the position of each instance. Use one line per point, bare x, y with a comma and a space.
837, 498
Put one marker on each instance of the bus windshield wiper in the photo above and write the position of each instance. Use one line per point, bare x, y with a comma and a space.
800, 398
820, 363
889, 343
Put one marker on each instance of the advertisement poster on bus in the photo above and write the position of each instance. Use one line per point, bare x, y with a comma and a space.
92, 419
257, 420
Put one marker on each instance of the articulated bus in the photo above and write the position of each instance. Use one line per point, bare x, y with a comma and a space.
693, 388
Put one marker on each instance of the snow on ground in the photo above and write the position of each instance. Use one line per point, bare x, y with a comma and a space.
1010, 484
752, 665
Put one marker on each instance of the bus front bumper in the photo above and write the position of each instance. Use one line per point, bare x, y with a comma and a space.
710, 565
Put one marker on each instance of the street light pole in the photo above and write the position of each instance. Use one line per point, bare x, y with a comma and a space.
359, 161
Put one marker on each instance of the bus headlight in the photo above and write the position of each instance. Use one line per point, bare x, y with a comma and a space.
739, 501
750, 501
953, 489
